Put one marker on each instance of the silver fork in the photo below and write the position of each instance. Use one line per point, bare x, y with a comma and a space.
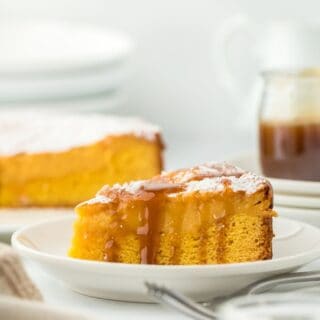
204, 311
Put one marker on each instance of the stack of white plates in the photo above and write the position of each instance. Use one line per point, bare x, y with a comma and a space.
294, 199
50, 64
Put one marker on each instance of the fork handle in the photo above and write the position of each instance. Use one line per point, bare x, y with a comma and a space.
269, 283
180, 302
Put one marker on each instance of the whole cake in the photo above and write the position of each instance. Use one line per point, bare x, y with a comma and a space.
48, 160
208, 214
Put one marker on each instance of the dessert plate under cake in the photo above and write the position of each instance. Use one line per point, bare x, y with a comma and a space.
295, 244
13, 219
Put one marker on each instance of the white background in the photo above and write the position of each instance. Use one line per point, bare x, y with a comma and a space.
175, 85
175, 82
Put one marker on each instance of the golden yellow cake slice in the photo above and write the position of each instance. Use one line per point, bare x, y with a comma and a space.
208, 214
62, 160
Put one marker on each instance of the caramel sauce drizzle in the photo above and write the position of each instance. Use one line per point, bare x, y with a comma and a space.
221, 225
203, 231
150, 222
176, 247
147, 202
149, 231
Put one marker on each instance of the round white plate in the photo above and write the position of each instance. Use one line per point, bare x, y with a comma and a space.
32, 46
13, 219
296, 201
311, 216
46, 244
307, 188
69, 87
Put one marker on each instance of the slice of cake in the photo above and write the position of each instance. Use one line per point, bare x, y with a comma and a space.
209, 214
62, 160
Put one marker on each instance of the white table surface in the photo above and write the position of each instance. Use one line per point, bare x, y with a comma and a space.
55, 293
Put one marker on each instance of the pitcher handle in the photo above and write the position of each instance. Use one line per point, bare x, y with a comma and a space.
226, 33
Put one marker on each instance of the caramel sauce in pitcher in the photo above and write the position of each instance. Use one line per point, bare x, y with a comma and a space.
290, 150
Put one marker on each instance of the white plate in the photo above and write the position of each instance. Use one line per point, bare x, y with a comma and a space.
296, 201
32, 46
295, 245
308, 188
311, 216
13, 219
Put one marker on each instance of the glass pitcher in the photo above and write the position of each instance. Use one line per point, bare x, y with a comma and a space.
289, 125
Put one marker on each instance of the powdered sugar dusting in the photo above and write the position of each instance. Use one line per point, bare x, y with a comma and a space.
248, 183
33, 133
207, 184
223, 168
210, 169
211, 177
132, 187
99, 199
185, 176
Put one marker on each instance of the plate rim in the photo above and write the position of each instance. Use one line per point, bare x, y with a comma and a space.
297, 201
282, 185
124, 48
241, 268
307, 211
10, 228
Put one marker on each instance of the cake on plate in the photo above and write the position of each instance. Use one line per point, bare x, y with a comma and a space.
50, 161
209, 214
